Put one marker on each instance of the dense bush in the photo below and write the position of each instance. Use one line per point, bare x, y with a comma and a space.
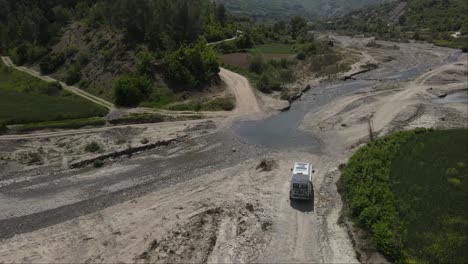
65, 124
3, 128
25, 53
84, 83
83, 58
98, 164
145, 61
367, 188
73, 75
92, 147
193, 65
257, 64
131, 89
301, 56
52, 89
245, 41
51, 62
267, 84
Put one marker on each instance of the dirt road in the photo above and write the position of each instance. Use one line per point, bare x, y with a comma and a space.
72, 89
241, 88
203, 199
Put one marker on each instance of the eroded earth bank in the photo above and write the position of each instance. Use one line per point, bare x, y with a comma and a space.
193, 191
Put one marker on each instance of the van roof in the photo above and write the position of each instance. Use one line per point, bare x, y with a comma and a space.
302, 168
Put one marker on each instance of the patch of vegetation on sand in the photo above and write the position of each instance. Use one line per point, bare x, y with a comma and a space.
409, 191
63, 124
274, 48
217, 104
25, 99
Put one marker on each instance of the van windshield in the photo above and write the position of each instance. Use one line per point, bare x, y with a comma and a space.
300, 186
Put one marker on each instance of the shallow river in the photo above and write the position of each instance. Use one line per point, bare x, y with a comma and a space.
281, 131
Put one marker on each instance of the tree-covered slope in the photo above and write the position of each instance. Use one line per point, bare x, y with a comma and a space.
431, 20
94, 43
284, 9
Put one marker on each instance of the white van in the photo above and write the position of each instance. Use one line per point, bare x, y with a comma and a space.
301, 182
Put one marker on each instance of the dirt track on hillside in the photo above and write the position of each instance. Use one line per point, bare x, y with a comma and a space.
204, 200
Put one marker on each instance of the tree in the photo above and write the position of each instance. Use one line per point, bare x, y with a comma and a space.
297, 25
144, 63
245, 41
131, 89
257, 64
73, 75
221, 13
192, 65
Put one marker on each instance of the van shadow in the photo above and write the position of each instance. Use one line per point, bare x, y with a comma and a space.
304, 206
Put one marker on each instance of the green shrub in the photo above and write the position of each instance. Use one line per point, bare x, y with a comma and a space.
107, 55
52, 89
73, 75
3, 128
84, 83
145, 61
92, 147
138, 119
264, 84
405, 190
83, 59
257, 64
228, 104
71, 51
286, 76
35, 53
284, 63
301, 56
367, 187
192, 65
51, 62
19, 55
65, 124
130, 90
98, 164
226, 47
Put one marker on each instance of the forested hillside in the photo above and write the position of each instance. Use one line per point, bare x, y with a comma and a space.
93, 43
431, 20
285, 9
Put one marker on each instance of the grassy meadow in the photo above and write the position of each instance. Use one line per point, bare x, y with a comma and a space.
274, 48
431, 183
25, 99
409, 190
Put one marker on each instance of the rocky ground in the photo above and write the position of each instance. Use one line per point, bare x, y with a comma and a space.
210, 193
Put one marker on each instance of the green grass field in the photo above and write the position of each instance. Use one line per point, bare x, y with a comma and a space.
432, 189
461, 43
409, 190
274, 48
25, 99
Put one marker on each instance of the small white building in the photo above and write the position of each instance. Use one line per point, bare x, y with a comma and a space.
456, 34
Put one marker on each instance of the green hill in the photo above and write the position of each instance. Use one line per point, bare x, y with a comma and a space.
136, 50
283, 9
433, 21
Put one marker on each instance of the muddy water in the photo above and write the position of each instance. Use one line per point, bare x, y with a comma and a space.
281, 131
460, 97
